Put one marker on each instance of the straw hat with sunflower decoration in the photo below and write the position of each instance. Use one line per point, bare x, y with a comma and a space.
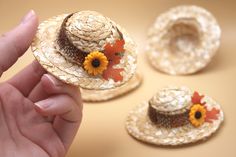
175, 116
86, 49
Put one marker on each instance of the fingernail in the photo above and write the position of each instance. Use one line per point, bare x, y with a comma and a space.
28, 16
42, 104
53, 80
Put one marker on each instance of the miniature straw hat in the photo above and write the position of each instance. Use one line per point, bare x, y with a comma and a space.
85, 49
175, 116
183, 40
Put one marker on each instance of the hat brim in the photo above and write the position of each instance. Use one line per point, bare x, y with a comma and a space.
140, 127
44, 50
196, 57
104, 95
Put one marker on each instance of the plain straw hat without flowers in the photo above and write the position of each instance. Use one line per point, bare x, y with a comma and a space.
183, 40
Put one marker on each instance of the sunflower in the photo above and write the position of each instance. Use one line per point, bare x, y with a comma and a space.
197, 115
95, 63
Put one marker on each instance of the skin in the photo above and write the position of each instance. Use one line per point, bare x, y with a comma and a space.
39, 115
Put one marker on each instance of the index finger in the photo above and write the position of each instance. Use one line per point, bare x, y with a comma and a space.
14, 43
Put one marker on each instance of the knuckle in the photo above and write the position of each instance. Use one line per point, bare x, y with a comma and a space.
5, 88
6, 91
37, 68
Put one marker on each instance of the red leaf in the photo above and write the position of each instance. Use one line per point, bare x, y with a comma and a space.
117, 47
112, 50
113, 73
196, 98
212, 115
113, 54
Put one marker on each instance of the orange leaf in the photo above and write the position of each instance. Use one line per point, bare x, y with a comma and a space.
196, 98
113, 54
112, 50
117, 47
113, 73
212, 115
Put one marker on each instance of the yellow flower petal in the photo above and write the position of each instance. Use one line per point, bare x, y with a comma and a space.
197, 115
95, 63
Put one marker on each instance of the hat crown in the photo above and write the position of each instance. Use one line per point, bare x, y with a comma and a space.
89, 25
90, 30
172, 100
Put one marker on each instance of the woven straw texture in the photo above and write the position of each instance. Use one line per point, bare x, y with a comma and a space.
183, 40
104, 95
44, 49
139, 126
92, 36
172, 100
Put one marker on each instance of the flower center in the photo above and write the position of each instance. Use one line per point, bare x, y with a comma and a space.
96, 63
198, 115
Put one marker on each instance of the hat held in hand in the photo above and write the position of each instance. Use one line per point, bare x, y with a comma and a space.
85, 49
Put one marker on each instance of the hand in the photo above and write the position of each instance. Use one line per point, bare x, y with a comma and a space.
39, 115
